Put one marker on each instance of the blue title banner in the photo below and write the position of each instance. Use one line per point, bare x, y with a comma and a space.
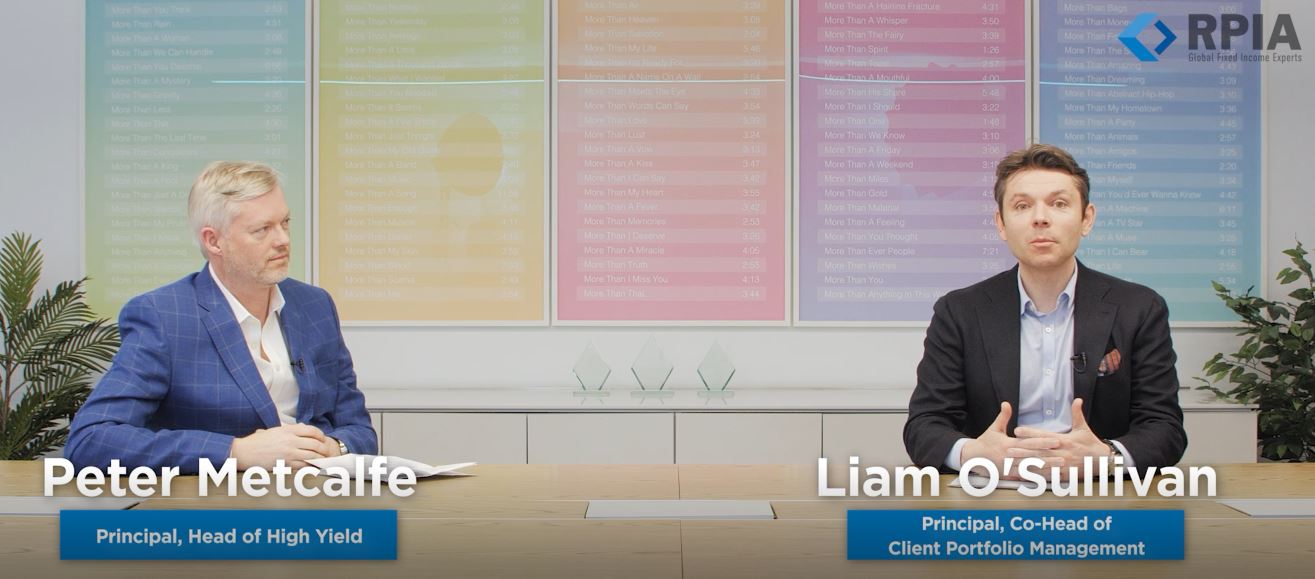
228, 534
1015, 534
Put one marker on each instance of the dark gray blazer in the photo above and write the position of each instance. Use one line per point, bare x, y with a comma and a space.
971, 356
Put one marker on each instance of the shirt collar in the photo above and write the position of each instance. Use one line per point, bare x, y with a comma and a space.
1065, 297
240, 311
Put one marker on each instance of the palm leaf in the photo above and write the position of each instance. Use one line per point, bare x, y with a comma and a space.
42, 444
44, 407
51, 314
52, 349
87, 347
20, 270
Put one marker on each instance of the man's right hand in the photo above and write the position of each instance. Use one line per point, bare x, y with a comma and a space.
994, 442
294, 443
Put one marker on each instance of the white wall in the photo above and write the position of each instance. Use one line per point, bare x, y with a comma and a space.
40, 161
41, 130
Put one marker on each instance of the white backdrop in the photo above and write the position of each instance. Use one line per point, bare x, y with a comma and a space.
41, 56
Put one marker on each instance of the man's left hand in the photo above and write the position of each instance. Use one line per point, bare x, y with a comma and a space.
1060, 449
328, 445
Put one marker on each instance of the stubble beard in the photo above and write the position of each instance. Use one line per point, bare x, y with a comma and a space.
257, 272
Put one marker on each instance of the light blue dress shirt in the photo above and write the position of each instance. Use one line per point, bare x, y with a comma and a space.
1045, 348
1045, 380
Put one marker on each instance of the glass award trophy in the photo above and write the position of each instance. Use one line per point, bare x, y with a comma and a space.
592, 372
716, 371
652, 369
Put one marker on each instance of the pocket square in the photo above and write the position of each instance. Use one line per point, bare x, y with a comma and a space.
1110, 363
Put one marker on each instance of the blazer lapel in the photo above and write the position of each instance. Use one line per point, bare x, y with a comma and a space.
998, 319
293, 324
232, 347
1093, 320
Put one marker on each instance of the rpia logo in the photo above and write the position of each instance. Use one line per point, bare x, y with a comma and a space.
1201, 29
1212, 38
1129, 36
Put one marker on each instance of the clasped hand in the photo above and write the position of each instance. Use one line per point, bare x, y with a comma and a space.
1055, 449
294, 443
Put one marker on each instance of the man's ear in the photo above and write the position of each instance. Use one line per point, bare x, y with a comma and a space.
210, 240
1000, 225
1088, 218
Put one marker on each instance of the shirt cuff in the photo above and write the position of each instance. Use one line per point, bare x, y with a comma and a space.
954, 459
1127, 457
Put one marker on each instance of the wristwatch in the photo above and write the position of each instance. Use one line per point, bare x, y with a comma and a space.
1114, 448
342, 448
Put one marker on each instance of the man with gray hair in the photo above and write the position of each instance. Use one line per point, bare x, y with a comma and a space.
234, 361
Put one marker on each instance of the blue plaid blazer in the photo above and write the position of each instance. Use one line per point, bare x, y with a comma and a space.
184, 385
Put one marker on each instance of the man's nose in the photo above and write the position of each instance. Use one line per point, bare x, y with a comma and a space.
1040, 216
282, 236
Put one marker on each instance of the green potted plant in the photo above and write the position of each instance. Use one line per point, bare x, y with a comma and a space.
51, 350
1275, 366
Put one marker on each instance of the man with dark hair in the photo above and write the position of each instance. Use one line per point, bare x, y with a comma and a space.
1050, 359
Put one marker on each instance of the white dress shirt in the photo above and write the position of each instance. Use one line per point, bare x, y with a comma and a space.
275, 365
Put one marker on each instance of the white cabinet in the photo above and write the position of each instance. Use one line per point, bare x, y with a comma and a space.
601, 438
766, 426
748, 438
1216, 437
876, 439
448, 437
377, 421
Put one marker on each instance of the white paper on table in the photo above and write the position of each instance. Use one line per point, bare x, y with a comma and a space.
362, 462
980, 481
50, 506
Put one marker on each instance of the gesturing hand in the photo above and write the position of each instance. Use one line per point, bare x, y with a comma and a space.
994, 443
1060, 449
